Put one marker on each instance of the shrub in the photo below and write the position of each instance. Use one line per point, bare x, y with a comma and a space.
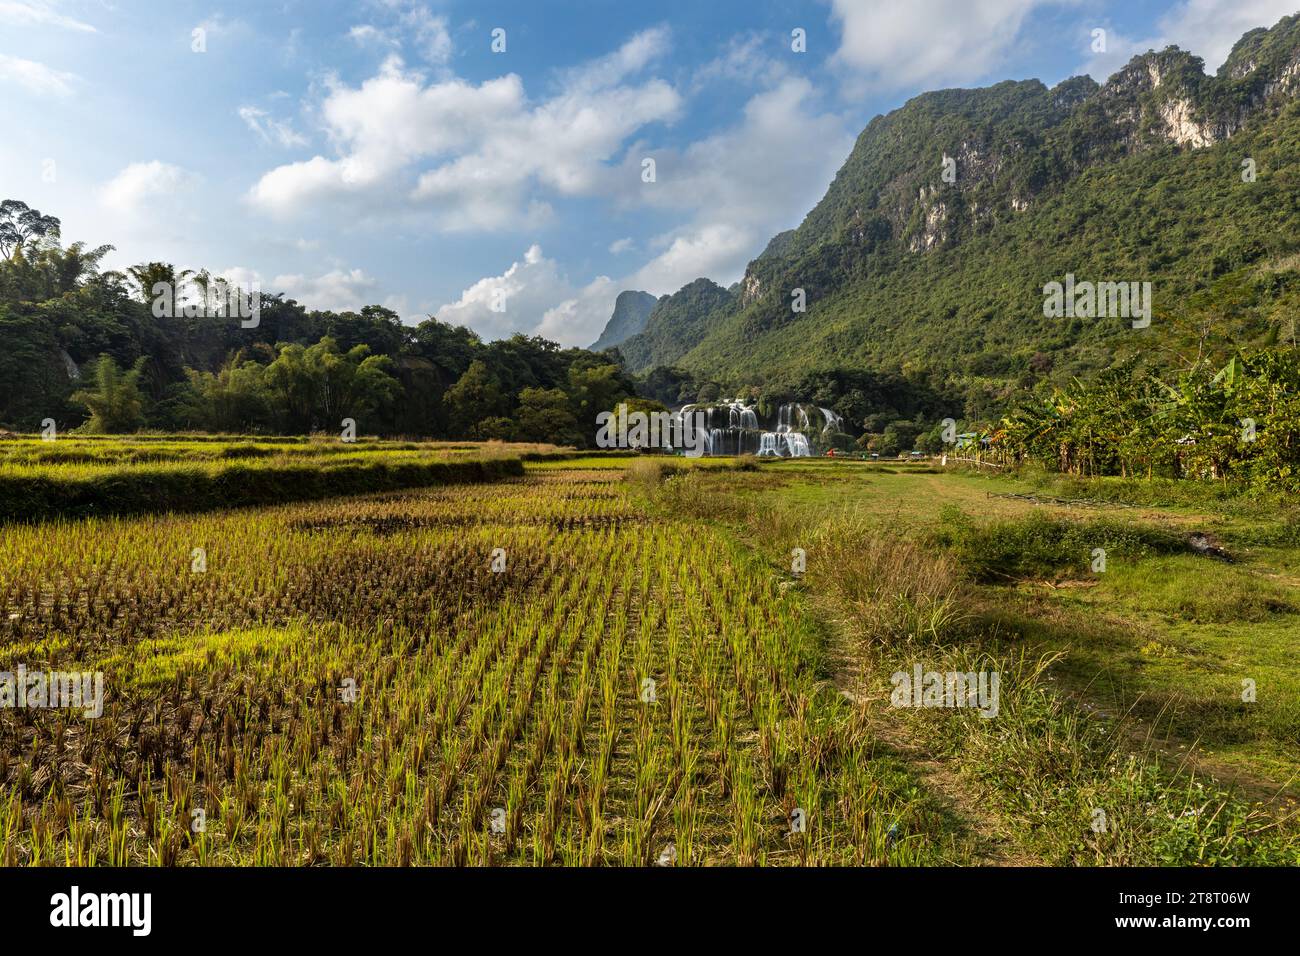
1039, 544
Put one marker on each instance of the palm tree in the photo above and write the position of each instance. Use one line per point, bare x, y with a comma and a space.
113, 398
148, 275
64, 269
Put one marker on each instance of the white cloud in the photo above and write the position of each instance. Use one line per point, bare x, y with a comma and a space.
745, 59
430, 35
36, 77
271, 130
924, 43
580, 319
389, 122
536, 296
718, 250
339, 290
427, 35
1207, 28
631, 58
39, 13
620, 246
145, 183
755, 179
367, 34
477, 156
244, 278
742, 185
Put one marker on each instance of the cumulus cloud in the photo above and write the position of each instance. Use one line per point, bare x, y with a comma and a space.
271, 130
367, 34
1207, 28
141, 184
579, 319
426, 35
630, 58
487, 156
479, 156
746, 58
429, 34
718, 250
339, 290
925, 43
39, 13
534, 296
740, 187
758, 178
36, 77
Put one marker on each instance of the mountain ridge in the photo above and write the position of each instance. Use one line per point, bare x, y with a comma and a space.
876, 255
631, 310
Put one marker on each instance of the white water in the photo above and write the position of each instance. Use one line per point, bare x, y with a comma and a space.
733, 428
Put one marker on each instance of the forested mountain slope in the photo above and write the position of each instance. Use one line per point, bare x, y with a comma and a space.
1163, 174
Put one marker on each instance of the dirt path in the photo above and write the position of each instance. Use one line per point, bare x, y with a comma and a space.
993, 839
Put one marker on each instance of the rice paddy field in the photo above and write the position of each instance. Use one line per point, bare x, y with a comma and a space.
564, 660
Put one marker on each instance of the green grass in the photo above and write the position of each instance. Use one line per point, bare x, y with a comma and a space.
521, 690
1160, 642
1170, 640
40, 491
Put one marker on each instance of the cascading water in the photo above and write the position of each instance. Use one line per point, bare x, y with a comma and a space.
730, 427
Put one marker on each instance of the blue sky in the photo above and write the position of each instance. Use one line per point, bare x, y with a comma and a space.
381, 150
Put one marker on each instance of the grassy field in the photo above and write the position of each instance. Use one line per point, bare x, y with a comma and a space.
1166, 634
600, 660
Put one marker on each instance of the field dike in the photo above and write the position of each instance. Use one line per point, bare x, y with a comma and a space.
41, 493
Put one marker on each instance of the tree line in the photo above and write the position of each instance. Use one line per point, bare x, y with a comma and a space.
83, 347
1239, 423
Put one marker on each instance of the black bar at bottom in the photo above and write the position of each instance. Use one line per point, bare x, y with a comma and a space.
657, 906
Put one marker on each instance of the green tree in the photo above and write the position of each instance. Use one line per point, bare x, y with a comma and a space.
476, 396
113, 398
316, 387
21, 224
232, 400
594, 388
545, 415
146, 276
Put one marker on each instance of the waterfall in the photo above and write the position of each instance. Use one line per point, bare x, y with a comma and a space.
798, 445
732, 427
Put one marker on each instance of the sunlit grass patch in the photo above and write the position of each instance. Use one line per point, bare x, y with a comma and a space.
1187, 588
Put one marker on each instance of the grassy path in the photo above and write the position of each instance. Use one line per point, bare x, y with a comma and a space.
1055, 778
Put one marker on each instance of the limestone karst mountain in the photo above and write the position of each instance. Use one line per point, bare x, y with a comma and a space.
1163, 173
631, 309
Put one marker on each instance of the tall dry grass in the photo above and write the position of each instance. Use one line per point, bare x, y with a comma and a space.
896, 589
